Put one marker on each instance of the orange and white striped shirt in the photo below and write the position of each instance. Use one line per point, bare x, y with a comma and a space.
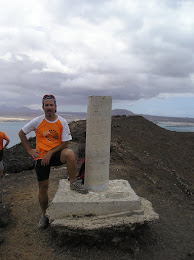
49, 134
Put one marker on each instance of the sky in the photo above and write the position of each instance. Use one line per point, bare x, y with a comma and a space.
139, 52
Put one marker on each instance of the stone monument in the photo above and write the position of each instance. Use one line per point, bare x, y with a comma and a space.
98, 129
108, 203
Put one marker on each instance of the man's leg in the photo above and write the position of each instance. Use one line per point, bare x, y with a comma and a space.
43, 200
68, 157
42, 173
43, 195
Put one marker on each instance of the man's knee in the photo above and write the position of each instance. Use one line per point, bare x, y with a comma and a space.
67, 155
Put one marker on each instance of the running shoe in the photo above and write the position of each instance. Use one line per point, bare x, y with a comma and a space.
78, 186
43, 223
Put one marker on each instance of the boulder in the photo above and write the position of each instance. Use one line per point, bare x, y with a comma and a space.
16, 158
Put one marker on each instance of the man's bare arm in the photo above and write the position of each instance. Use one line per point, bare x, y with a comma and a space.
59, 147
29, 149
7, 142
49, 154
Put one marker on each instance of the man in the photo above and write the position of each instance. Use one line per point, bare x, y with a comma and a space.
52, 136
3, 137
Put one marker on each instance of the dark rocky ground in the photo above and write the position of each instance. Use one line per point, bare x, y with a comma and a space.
159, 166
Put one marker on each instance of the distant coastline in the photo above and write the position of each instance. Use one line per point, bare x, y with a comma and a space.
170, 123
71, 118
68, 117
8, 113
11, 119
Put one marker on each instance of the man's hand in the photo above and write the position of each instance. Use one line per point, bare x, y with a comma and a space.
34, 153
46, 158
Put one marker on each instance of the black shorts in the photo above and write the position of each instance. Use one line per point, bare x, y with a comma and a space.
1, 154
43, 172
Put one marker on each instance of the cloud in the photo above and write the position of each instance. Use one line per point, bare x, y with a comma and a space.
130, 50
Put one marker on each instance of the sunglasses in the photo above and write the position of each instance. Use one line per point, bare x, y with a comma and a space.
48, 97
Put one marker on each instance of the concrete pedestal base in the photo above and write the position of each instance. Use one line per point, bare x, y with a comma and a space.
117, 206
119, 198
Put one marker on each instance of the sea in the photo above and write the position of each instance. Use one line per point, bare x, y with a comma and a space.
177, 127
11, 129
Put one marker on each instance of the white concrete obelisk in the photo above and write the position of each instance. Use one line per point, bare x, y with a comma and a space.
98, 135
107, 199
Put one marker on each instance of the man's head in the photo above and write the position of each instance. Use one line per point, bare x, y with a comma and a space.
49, 105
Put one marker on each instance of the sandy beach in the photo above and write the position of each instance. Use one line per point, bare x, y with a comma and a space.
170, 123
5, 119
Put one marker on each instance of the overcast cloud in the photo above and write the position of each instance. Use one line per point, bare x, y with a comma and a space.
131, 50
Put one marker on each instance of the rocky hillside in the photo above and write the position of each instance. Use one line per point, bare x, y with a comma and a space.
144, 150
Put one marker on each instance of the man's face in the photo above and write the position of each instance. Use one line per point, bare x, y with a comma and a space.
49, 107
